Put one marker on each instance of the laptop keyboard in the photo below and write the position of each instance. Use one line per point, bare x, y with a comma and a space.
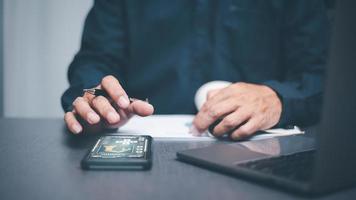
296, 166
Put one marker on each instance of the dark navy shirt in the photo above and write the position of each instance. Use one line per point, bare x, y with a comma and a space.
165, 50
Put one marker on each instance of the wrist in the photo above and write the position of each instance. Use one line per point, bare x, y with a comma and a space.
275, 101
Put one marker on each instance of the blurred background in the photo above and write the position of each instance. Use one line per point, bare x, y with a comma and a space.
38, 39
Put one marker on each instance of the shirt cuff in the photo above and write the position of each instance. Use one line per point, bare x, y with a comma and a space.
286, 118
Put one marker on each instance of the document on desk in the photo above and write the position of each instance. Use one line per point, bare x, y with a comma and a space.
176, 127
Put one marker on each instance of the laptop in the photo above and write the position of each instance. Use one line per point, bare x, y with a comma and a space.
313, 163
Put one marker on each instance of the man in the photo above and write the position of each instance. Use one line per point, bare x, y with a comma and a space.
273, 51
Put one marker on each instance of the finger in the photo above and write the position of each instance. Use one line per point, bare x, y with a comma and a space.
141, 108
219, 94
227, 92
210, 113
124, 118
105, 109
247, 129
212, 93
88, 96
72, 123
138, 107
231, 121
83, 109
112, 86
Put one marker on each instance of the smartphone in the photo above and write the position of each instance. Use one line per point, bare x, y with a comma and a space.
120, 152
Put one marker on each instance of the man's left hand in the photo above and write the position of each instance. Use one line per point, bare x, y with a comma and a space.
242, 106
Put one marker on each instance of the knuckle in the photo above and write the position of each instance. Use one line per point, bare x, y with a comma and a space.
94, 102
241, 84
210, 94
234, 86
264, 108
250, 129
238, 86
67, 117
213, 113
69, 120
77, 101
204, 108
228, 122
97, 101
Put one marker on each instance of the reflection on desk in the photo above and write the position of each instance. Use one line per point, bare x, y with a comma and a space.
41, 160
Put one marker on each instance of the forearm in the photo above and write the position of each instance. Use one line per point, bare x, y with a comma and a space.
98, 55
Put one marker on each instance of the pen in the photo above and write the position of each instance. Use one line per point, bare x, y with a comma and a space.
100, 92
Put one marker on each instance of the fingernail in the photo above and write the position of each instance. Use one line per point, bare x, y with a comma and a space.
123, 102
194, 131
112, 117
151, 106
93, 118
76, 128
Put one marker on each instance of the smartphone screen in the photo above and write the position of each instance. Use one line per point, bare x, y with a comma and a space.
119, 152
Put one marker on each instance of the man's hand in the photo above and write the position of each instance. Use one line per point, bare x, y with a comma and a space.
241, 106
101, 112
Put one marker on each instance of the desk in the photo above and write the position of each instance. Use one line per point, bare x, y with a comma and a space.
39, 160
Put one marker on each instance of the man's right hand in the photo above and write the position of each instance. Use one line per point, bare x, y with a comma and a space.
97, 113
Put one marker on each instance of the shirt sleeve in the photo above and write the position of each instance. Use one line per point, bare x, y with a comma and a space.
305, 49
102, 50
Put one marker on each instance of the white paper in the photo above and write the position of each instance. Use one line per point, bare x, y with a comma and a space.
269, 133
176, 127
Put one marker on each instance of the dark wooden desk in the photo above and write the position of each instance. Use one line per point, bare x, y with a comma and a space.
39, 160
